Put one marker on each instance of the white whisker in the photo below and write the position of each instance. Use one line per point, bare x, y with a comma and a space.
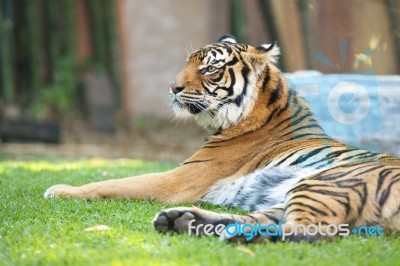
191, 47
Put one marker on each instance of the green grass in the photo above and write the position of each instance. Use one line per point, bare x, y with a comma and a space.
36, 231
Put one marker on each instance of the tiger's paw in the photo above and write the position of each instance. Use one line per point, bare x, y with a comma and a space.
192, 221
174, 220
60, 191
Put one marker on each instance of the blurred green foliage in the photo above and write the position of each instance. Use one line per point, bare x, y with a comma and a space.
58, 96
40, 71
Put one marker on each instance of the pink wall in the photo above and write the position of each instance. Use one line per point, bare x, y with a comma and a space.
154, 36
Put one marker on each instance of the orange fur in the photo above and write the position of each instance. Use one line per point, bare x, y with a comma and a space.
269, 132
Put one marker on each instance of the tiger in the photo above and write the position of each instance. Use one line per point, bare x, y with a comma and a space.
265, 154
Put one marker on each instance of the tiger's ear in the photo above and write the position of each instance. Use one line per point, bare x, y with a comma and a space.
227, 38
272, 51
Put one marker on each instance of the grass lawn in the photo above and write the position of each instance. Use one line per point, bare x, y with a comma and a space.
36, 231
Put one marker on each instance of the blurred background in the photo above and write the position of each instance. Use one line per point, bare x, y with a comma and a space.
92, 75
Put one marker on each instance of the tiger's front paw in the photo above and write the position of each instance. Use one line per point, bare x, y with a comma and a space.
60, 191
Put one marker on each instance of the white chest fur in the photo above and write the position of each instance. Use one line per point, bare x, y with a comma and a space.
259, 190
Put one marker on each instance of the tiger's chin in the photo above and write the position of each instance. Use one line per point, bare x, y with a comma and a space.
208, 118
200, 114
180, 111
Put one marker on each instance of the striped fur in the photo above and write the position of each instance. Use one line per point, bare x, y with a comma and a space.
300, 175
266, 153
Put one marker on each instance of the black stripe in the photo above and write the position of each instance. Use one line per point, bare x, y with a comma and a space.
304, 187
314, 209
349, 182
330, 193
299, 210
305, 157
275, 94
333, 194
270, 116
304, 218
271, 217
218, 141
239, 99
229, 90
220, 51
301, 128
329, 157
343, 174
283, 109
361, 194
207, 90
188, 97
382, 176
340, 152
214, 62
210, 147
299, 109
308, 135
287, 157
291, 124
363, 155
197, 161
217, 79
385, 193
266, 77
369, 170
313, 199
252, 218
232, 62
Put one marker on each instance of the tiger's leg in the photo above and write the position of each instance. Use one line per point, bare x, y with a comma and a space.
310, 218
197, 221
151, 186
186, 183
313, 210
386, 210
349, 196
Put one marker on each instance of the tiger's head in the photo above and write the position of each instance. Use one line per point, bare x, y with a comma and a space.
218, 85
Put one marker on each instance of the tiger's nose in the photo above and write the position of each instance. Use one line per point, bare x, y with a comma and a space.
176, 88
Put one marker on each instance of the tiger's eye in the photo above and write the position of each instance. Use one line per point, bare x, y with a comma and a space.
211, 68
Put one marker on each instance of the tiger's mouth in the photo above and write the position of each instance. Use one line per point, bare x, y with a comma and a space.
194, 107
